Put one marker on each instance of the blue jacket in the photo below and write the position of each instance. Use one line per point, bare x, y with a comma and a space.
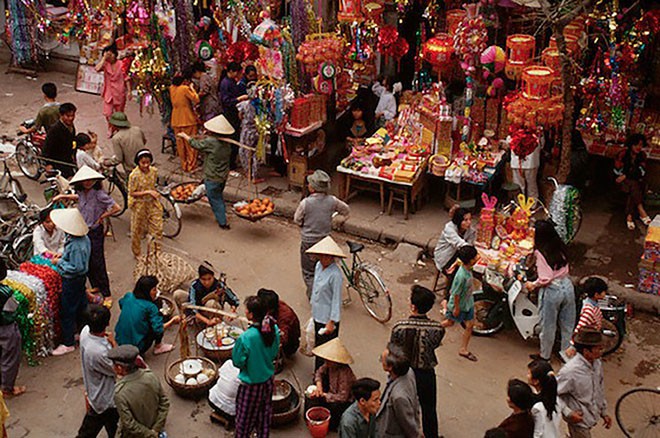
139, 319
75, 258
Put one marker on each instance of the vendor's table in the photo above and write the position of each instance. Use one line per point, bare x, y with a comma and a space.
468, 191
409, 193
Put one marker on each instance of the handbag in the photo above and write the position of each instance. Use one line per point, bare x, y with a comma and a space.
170, 269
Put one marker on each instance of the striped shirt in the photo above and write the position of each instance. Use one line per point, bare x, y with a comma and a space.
590, 316
419, 337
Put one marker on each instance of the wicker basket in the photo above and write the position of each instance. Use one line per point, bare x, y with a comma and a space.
189, 200
219, 354
439, 164
289, 413
190, 391
251, 217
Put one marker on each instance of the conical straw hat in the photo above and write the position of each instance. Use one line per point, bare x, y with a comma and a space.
327, 246
85, 173
219, 125
333, 350
70, 221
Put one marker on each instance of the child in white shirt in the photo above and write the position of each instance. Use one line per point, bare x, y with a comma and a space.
85, 146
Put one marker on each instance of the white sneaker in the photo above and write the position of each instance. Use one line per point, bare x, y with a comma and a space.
62, 350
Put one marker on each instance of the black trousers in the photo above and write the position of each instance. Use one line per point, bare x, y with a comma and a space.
98, 273
427, 394
322, 339
93, 423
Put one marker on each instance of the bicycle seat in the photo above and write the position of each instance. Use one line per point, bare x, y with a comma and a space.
355, 247
22, 198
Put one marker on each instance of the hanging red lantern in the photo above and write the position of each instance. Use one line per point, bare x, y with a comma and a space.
571, 43
520, 50
551, 58
438, 50
536, 81
454, 18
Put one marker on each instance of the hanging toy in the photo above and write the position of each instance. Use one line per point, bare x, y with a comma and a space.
519, 220
204, 50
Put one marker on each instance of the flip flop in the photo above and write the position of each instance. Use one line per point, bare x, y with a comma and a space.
469, 356
18, 390
164, 349
631, 225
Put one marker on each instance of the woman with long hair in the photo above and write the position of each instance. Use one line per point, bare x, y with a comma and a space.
557, 295
545, 411
140, 322
458, 232
253, 354
630, 170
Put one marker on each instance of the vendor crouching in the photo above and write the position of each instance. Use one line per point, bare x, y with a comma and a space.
333, 381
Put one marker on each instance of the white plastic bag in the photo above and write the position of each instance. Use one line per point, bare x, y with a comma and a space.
308, 338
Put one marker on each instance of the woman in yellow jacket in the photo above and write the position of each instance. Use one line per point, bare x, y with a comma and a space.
184, 118
146, 210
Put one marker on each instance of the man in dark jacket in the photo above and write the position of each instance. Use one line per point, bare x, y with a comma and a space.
58, 148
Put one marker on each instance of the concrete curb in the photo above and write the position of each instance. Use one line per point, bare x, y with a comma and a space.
645, 303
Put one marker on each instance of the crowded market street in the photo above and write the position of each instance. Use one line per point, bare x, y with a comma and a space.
471, 395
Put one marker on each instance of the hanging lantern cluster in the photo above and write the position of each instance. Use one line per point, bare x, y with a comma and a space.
520, 51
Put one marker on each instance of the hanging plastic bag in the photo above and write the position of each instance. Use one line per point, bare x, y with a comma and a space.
307, 341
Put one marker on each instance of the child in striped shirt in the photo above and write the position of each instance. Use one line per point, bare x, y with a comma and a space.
590, 316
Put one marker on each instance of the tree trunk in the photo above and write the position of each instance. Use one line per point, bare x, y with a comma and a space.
568, 79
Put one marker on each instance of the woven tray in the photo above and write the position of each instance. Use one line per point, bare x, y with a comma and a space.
250, 217
189, 200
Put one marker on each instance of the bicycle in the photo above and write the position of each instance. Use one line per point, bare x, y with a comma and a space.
364, 278
116, 187
7, 181
28, 151
638, 412
17, 244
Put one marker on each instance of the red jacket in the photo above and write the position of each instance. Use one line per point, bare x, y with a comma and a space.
289, 325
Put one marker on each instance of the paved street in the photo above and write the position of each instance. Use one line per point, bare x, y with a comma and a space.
472, 396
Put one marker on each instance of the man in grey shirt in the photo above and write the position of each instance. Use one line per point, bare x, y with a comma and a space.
314, 214
98, 375
127, 140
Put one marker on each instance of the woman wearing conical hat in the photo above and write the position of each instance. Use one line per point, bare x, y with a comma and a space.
326, 292
333, 380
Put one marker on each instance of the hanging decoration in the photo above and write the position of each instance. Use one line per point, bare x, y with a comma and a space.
520, 50
391, 44
438, 51
242, 52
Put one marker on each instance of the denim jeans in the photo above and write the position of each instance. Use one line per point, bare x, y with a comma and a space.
74, 303
214, 191
557, 304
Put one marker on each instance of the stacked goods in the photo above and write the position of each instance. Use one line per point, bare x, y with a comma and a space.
255, 209
486, 230
320, 48
187, 192
307, 110
649, 266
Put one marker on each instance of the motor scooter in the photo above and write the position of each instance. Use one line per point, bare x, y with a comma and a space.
504, 298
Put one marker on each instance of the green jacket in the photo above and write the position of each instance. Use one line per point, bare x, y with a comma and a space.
138, 320
218, 155
142, 405
253, 357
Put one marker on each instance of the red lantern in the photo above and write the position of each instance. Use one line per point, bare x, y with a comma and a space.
437, 51
536, 81
520, 50
571, 43
454, 18
551, 58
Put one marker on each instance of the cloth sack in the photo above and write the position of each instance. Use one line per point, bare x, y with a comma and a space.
170, 269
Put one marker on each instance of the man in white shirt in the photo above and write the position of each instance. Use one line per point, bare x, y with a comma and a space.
525, 169
98, 375
386, 108
222, 397
47, 239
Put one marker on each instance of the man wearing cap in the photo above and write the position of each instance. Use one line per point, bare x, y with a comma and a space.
139, 396
216, 163
127, 140
314, 215
580, 385
333, 380
326, 293
73, 267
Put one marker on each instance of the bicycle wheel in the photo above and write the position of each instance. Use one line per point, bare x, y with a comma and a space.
373, 293
612, 337
22, 249
117, 191
488, 319
171, 217
27, 158
638, 412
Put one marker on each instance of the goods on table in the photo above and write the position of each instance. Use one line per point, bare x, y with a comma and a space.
218, 341
255, 209
649, 266
187, 192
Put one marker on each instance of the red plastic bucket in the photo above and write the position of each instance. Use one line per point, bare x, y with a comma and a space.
318, 421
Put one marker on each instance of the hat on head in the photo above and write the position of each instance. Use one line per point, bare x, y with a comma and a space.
327, 246
588, 336
124, 354
143, 153
70, 221
119, 120
319, 181
334, 351
86, 173
219, 125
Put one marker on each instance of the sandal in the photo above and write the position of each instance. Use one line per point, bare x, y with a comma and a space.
163, 348
18, 390
631, 225
646, 220
469, 356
